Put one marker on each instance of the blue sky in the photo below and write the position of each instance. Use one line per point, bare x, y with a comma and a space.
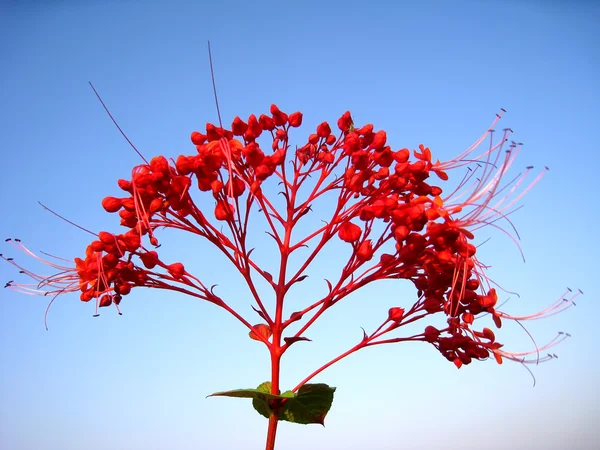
426, 72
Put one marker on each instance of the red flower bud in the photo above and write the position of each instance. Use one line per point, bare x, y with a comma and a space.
323, 130
97, 246
365, 130
279, 117
431, 333
238, 187
266, 123
239, 127
379, 140
149, 259
159, 164
198, 138
395, 314
176, 270
349, 232
365, 251
184, 164
401, 156
295, 119
468, 318
216, 186
106, 237
105, 301
345, 122
125, 185
111, 204
387, 259
401, 233
124, 288
223, 211
254, 129
263, 172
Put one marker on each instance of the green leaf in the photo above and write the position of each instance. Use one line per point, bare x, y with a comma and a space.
262, 405
260, 397
310, 405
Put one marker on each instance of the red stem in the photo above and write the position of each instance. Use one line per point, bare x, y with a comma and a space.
330, 363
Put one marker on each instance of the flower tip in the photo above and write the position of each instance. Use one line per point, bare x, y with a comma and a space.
395, 314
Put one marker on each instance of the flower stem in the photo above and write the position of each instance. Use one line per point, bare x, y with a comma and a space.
274, 418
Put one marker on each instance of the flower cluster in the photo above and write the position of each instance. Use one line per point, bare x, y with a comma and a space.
386, 205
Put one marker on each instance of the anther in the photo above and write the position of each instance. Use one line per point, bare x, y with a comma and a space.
529, 167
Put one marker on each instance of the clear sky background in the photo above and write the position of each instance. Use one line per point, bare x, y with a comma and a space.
427, 72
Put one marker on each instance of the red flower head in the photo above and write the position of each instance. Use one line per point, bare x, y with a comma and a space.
385, 202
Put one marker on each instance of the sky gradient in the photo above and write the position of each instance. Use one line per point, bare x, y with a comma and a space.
427, 72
